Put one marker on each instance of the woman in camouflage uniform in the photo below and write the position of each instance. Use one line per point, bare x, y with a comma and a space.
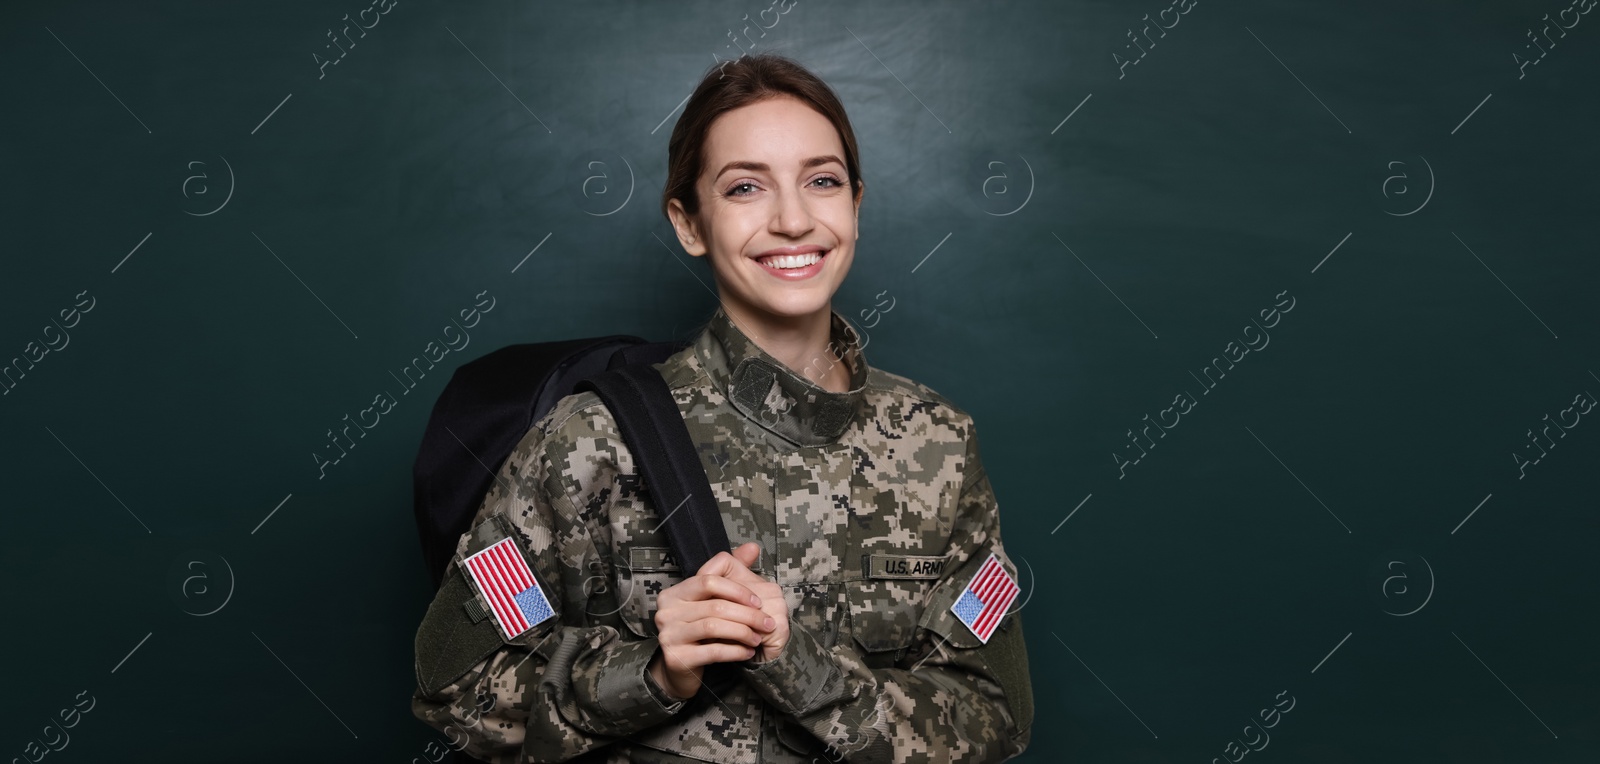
863, 615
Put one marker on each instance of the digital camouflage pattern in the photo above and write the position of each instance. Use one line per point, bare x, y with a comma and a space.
872, 509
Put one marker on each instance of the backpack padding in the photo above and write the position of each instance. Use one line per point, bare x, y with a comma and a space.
646, 353
666, 458
488, 405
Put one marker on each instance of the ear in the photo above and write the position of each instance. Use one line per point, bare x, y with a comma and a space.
862, 194
687, 228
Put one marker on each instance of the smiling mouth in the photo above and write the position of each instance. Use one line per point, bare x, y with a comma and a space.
792, 262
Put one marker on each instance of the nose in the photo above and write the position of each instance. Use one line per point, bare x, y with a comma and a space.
791, 215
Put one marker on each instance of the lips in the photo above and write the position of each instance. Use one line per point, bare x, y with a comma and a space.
786, 262
793, 263
797, 249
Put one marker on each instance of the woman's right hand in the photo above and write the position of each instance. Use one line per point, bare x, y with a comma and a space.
707, 618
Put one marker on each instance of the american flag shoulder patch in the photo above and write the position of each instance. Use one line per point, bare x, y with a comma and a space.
514, 597
983, 603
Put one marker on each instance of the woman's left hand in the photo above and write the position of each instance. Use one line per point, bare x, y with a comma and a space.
735, 565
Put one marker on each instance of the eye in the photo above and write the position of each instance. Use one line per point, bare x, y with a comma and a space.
835, 183
733, 191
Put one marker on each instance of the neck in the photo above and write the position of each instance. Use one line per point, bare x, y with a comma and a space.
798, 342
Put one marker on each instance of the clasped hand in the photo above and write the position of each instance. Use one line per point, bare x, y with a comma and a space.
725, 612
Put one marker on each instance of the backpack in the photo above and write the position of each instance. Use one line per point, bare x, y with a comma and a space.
491, 402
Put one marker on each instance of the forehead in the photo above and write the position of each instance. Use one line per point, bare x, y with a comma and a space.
780, 131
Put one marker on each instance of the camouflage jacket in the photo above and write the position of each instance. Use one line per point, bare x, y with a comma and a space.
873, 512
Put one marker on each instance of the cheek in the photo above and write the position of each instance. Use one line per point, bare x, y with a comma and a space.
732, 229
841, 216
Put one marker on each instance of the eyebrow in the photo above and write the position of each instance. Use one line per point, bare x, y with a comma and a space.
764, 167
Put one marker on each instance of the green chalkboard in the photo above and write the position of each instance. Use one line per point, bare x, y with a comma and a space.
1278, 322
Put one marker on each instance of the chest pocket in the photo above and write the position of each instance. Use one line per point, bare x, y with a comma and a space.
887, 601
897, 539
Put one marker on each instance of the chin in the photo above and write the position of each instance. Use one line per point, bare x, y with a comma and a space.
783, 301
797, 300
794, 306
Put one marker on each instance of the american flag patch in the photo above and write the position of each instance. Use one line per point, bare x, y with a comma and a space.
515, 599
984, 602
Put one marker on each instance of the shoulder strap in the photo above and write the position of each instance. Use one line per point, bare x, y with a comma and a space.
648, 417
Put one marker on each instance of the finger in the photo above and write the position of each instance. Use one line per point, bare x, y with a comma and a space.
727, 565
748, 553
720, 564
743, 574
688, 601
711, 629
686, 658
753, 618
704, 587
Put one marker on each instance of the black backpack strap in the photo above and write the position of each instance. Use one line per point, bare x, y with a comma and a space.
648, 418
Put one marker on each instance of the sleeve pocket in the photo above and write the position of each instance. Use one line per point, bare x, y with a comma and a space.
450, 642
938, 618
645, 572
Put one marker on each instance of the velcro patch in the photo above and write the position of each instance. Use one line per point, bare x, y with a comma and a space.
652, 559
902, 566
983, 603
506, 584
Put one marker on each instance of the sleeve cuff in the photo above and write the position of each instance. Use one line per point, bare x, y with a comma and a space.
625, 690
799, 680
660, 693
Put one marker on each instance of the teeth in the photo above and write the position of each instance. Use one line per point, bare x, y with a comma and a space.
792, 261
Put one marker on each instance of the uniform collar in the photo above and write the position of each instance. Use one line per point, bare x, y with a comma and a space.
776, 397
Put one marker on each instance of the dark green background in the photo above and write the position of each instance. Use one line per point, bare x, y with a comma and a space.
1174, 603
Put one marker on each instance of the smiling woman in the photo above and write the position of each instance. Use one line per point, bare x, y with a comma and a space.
764, 179
865, 613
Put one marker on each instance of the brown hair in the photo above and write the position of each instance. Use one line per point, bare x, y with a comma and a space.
741, 82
